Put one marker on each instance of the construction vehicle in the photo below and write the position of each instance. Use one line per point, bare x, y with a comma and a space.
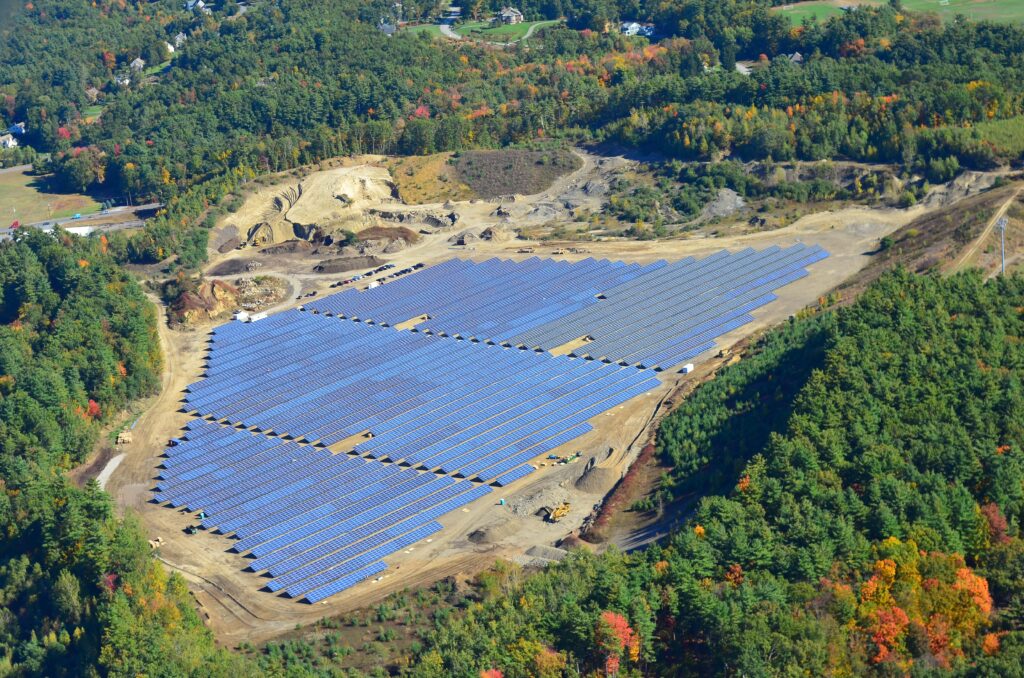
156, 543
559, 512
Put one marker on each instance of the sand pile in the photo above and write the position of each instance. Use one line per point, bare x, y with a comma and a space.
597, 480
336, 194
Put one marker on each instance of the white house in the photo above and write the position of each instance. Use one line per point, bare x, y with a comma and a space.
180, 39
510, 16
170, 47
637, 28
197, 6
138, 64
8, 141
629, 28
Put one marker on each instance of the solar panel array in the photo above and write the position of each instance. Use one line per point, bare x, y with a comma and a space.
658, 315
317, 522
434, 403
330, 440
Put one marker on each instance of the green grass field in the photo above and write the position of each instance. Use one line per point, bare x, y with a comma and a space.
156, 69
800, 11
25, 198
483, 30
92, 112
976, 10
430, 29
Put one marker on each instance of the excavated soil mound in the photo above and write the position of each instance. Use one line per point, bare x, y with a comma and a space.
385, 233
229, 267
228, 245
288, 247
596, 480
573, 541
346, 264
329, 195
497, 234
209, 300
492, 534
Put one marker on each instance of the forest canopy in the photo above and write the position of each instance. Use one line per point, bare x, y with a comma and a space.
286, 84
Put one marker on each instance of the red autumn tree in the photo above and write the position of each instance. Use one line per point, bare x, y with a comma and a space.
997, 525
614, 637
889, 625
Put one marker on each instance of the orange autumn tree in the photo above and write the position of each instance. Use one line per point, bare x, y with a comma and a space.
931, 597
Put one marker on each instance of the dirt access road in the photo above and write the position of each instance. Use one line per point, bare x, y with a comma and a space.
231, 599
1000, 213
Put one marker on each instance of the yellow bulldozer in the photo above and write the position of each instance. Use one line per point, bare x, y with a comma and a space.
553, 515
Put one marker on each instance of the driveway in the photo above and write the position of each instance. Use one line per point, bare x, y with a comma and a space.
446, 31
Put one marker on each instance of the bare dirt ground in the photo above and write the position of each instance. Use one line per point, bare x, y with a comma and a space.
231, 599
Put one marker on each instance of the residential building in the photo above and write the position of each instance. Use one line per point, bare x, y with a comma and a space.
637, 28
510, 16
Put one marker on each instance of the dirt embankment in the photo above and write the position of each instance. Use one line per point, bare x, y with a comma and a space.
318, 205
935, 239
346, 264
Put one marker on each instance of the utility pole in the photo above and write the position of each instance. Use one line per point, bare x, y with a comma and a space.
1001, 225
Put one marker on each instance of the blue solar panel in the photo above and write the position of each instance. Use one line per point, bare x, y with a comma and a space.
470, 397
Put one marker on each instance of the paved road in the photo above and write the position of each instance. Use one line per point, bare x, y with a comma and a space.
446, 31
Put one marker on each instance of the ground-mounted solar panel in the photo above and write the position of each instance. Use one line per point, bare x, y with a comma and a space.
514, 475
328, 439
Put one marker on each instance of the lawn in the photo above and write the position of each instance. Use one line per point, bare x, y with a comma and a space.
156, 69
24, 197
430, 29
976, 10
483, 30
91, 113
817, 9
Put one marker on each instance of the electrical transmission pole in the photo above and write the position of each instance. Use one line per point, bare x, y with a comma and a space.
1001, 225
